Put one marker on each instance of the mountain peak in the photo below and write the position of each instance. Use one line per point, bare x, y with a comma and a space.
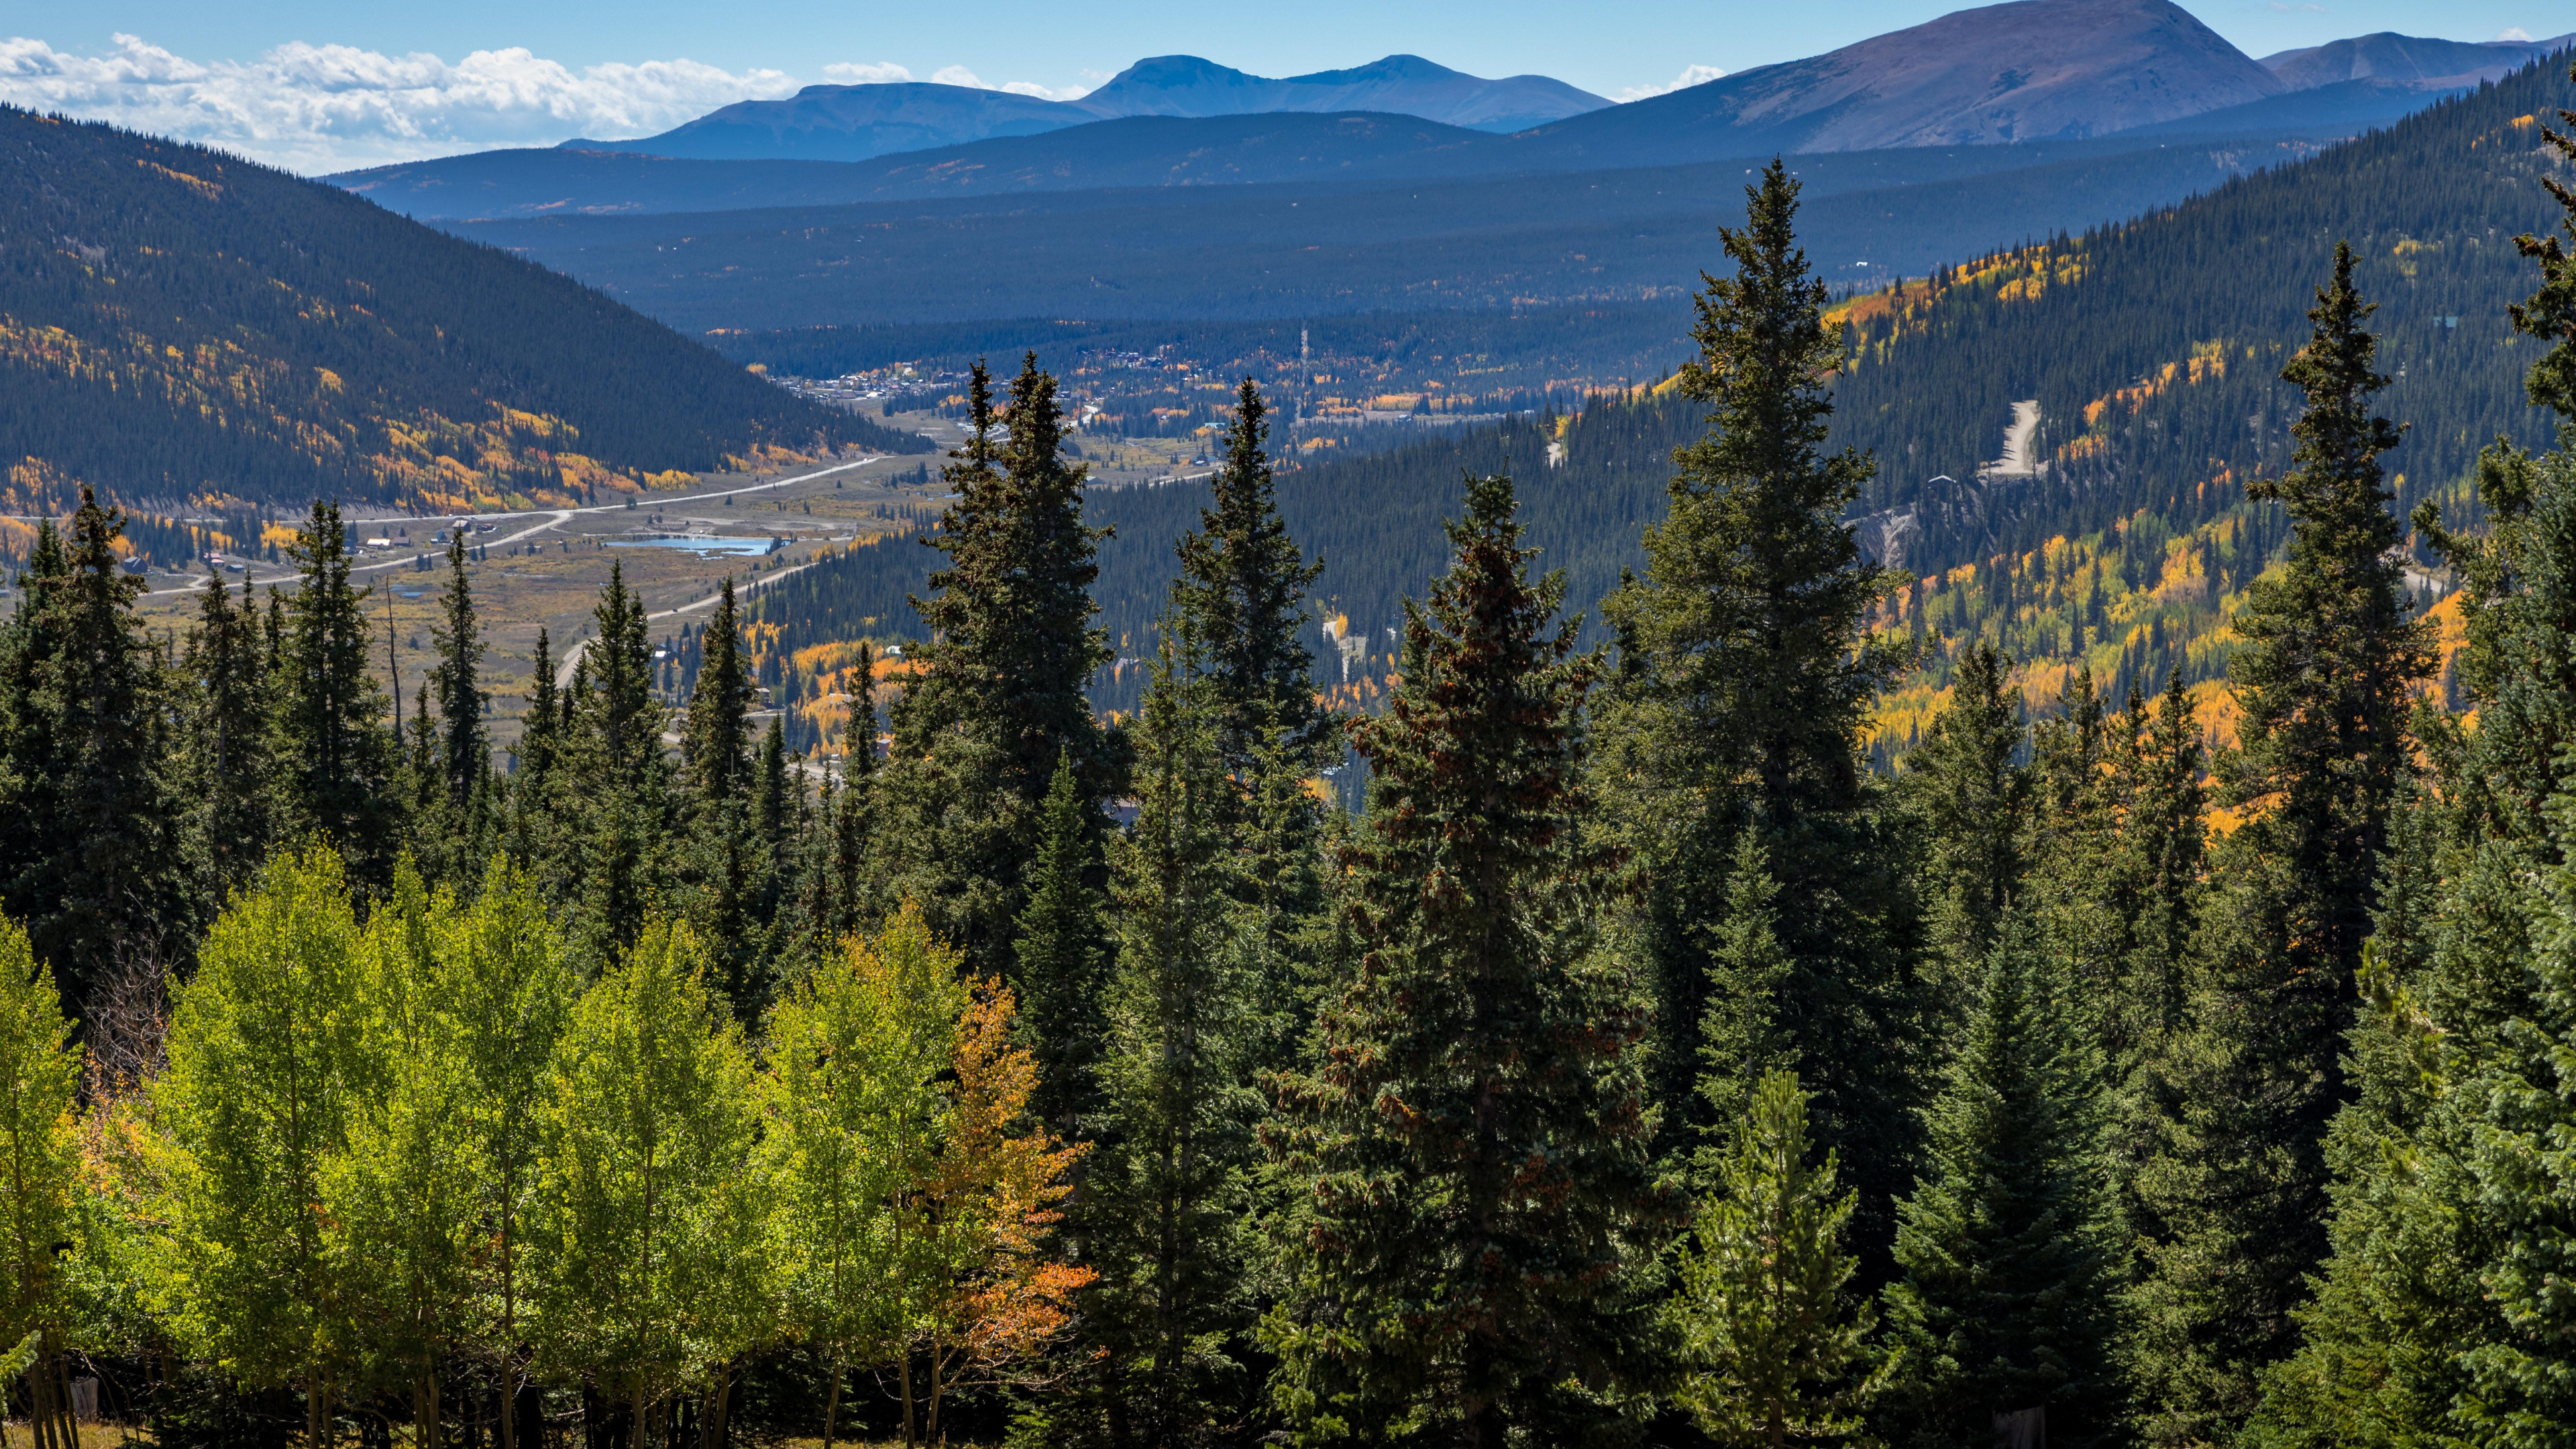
1406, 85
2024, 70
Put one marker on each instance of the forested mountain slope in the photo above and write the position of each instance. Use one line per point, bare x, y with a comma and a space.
1316, 248
2153, 348
177, 324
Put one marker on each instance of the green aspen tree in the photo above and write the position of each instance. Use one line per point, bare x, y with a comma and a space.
509, 986
400, 1197
40, 1187
644, 1229
852, 1112
266, 1051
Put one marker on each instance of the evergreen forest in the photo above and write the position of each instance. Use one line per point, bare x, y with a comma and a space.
1654, 1056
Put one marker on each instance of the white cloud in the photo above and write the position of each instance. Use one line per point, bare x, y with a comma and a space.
958, 75
879, 73
2515, 32
1691, 75
319, 108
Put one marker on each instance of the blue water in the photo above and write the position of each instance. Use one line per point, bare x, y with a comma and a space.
702, 547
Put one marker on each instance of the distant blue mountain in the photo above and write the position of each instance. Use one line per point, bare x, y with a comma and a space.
1401, 85
851, 123
2412, 60
860, 123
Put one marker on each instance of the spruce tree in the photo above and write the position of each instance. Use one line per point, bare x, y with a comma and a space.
2441, 1314
29, 653
1747, 675
1240, 601
999, 696
1063, 959
2010, 1288
853, 830
335, 750
1740, 1042
227, 728
1237, 606
2236, 1195
1973, 795
535, 833
1167, 1211
456, 680
1472, 1144
712, 748
1774, 1343
99, 884
615, 776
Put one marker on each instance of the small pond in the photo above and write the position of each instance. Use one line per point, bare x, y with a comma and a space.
702, 545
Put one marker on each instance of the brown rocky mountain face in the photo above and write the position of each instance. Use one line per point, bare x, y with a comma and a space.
2024, 71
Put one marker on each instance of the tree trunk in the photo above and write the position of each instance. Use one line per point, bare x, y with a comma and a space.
713, 1431
315, 1410
831, 1405
904, 1374
425, 1412
40, 1419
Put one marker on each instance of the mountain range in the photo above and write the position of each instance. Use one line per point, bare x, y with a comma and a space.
858, 123
2007, 74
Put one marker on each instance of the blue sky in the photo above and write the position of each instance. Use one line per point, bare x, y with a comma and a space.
312, 84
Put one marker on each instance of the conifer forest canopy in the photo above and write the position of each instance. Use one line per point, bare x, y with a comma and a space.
1640, 925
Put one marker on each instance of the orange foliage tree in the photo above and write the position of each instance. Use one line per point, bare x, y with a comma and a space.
982, 1298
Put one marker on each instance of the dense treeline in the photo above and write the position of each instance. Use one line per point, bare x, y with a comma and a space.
1638, 1063
176, 323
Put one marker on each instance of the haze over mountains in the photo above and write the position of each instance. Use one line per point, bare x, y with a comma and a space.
2008, 74
859, 122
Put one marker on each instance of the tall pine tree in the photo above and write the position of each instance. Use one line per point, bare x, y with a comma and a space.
2009, 1297
1167, 1209
999, 696
1747, 676
335, 749
99, 882
1474, 1137
2236, 1196
1973, 795
614, 776
227, 728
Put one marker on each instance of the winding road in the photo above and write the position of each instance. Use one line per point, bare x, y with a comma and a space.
549, 518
